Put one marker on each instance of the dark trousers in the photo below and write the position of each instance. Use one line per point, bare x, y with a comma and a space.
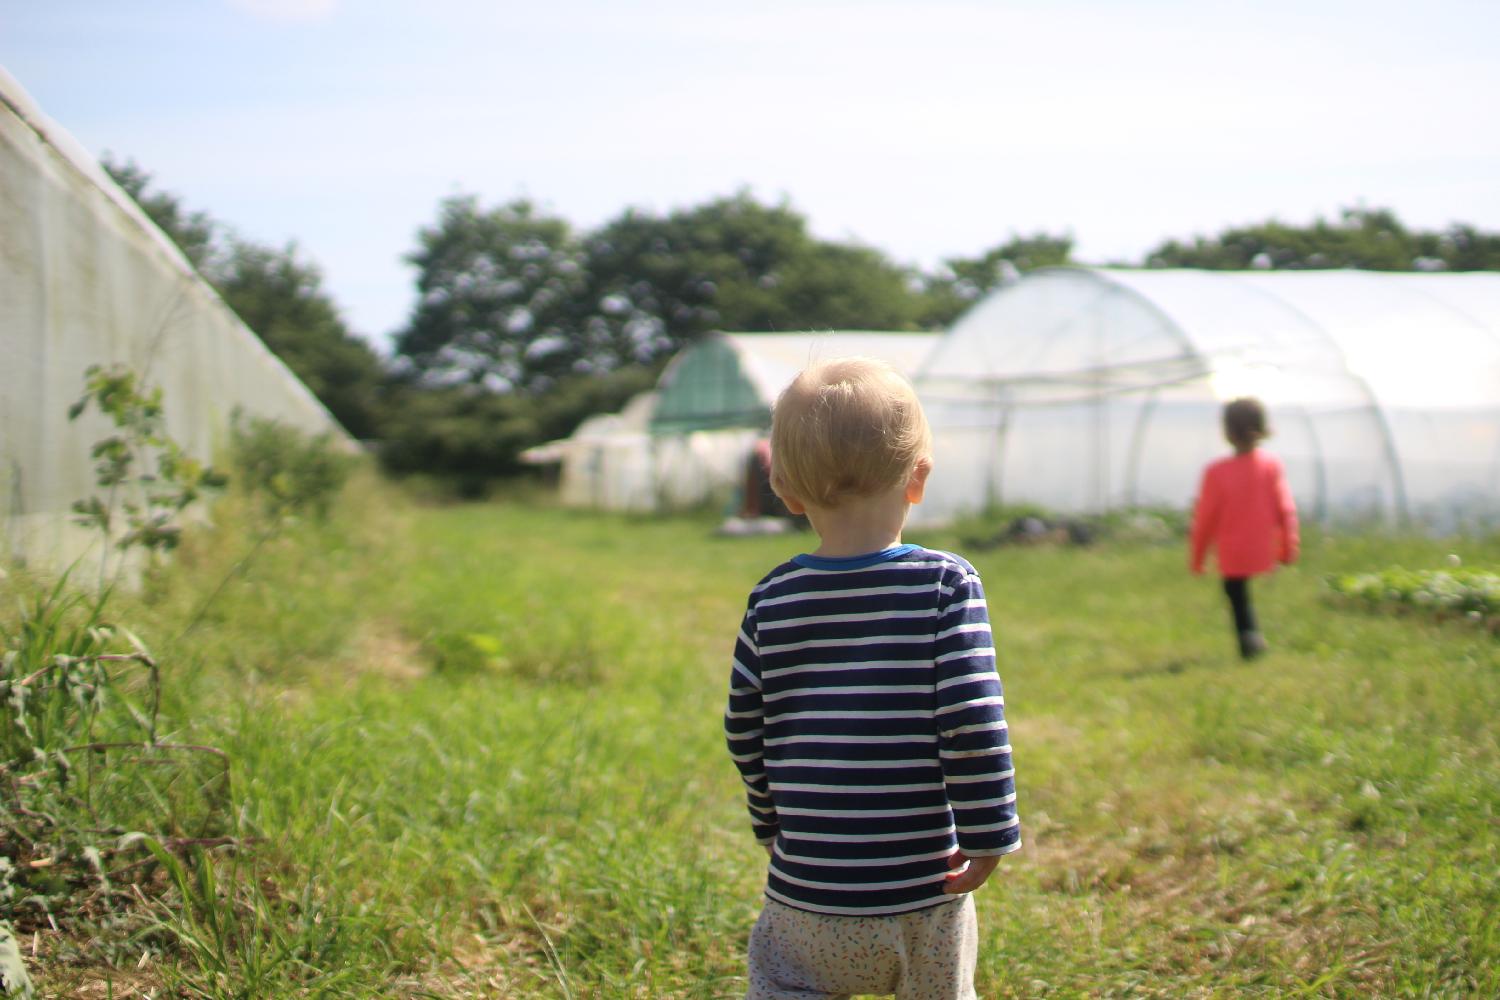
1237, 589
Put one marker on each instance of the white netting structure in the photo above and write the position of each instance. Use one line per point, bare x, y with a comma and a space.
1086, 389
86, 278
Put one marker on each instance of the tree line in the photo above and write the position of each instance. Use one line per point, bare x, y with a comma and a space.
524, 325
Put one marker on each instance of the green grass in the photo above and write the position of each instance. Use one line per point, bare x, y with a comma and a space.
481, 749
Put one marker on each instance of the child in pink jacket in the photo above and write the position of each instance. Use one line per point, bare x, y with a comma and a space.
1245, 511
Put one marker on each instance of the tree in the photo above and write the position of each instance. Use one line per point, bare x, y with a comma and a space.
465, 433
1463, 248
1364, 238
961, 281
511, 298
660, 282
279, 296
471, 435
195, 233
499, 298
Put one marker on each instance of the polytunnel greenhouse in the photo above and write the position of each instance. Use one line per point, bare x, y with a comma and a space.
88, 279
732, 379
1087, 389
686, 443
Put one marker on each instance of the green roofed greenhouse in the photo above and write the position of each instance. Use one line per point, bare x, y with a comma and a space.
686, 443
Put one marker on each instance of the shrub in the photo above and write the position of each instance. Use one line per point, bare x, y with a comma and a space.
146, 478
287, 471
82, 764
1471, 593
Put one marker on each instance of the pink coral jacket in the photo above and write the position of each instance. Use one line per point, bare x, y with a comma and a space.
1246, 512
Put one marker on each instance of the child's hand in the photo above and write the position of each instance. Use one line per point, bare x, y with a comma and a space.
971, 878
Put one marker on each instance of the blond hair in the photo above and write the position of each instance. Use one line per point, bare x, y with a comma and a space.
845, 428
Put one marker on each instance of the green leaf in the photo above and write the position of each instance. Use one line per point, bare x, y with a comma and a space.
14, 980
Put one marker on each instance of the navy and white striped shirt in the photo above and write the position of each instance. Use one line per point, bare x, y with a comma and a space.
866, 718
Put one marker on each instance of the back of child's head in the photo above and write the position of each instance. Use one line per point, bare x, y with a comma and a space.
1245, 422
846, 428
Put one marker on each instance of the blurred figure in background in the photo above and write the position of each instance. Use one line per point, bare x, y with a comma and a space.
758, 499
1246, 514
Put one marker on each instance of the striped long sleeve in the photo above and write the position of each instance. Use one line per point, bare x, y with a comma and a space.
974, 742
866, 719
744, 728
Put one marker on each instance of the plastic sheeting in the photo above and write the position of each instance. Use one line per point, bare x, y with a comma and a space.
613, 462
85, 278
1085, 389
606, 462
732, 379
686, 444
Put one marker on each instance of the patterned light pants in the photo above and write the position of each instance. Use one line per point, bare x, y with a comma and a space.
924, 955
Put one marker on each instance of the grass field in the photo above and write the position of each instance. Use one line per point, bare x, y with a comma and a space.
480, 749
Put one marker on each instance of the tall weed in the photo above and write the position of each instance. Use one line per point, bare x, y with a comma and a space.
241, 938
84, 764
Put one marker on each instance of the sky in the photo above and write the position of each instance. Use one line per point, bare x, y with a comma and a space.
928, 130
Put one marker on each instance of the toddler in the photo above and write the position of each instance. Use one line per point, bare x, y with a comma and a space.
1245, 511
865, 714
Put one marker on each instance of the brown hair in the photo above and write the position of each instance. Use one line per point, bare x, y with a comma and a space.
1245, 422
848, 427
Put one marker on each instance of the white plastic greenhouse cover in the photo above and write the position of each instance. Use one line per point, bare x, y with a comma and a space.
772, 360
686, 443
1083, 389
86, 278
606, 460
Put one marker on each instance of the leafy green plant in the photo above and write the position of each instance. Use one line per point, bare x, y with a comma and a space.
1471, 593
146, 478
82, 763
286, 471
284, 474
14, 982
464, 652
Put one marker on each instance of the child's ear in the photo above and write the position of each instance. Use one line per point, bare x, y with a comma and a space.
793, 505
916, 486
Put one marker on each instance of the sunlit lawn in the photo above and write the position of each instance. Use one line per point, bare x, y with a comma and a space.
482, 745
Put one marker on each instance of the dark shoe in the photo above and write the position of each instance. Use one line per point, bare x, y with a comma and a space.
1252, 644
